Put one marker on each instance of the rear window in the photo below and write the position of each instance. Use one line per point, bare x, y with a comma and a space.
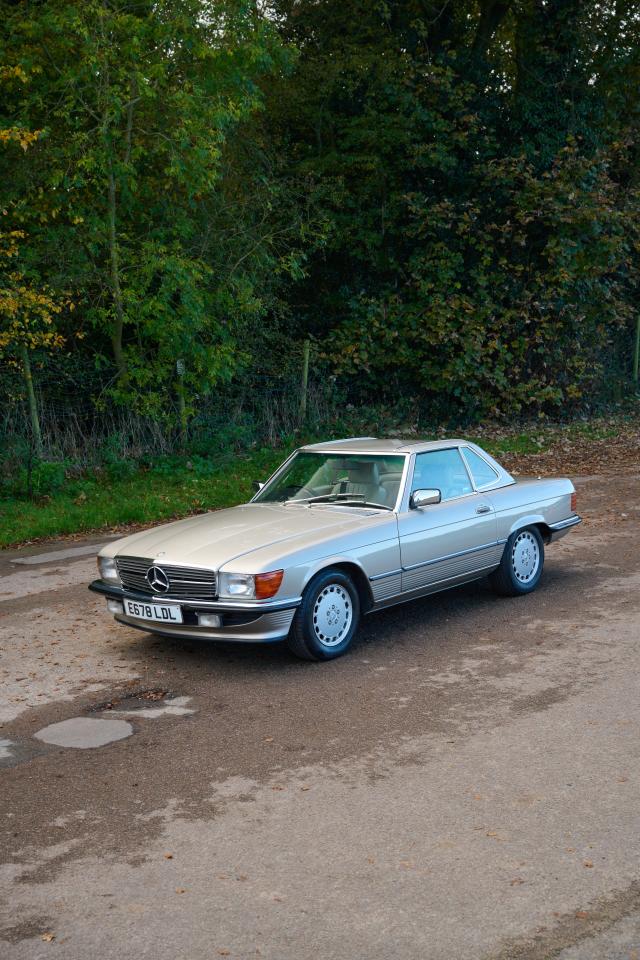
481, 472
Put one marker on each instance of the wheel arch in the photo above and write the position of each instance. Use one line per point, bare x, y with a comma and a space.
534, 520
354, 571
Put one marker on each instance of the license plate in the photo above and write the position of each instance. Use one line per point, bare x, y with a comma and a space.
160, 612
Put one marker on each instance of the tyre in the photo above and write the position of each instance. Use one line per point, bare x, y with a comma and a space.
521, 565
327, 619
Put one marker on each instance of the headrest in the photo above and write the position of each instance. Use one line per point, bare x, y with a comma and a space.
363, 472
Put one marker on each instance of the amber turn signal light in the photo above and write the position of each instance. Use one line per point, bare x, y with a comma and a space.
574, 502
268, 584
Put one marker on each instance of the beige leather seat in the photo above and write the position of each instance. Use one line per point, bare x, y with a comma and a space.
363, 479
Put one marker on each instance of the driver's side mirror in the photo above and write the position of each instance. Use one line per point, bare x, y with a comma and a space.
257, 486
424, 498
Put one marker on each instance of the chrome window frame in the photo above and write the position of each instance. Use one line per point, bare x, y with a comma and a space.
422, 453
485, 486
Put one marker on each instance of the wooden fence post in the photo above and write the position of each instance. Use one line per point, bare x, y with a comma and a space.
305, 380
182, 410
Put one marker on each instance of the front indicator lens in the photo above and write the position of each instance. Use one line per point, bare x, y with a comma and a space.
108, 570
268, 584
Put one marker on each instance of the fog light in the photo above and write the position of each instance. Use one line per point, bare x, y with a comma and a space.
114, 606
209, 619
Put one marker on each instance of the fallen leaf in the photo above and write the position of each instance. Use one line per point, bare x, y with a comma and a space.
581, 915
516, 882
588, 863
180, 890
168, 856
48, 937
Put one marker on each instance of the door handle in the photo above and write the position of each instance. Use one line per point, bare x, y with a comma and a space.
483, 508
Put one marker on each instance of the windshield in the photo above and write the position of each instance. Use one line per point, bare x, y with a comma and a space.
348, 479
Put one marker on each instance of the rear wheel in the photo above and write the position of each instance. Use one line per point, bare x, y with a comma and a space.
327, 619
521, 565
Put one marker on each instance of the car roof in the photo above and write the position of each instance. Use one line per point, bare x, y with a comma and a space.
374, 445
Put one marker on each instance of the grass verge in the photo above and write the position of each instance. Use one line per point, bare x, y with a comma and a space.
167, 489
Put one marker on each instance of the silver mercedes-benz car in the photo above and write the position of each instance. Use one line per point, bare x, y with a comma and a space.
341, 529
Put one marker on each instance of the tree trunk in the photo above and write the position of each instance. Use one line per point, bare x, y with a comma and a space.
118, 324
31, 400
492, 13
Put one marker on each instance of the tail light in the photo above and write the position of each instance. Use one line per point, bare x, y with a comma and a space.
574, 502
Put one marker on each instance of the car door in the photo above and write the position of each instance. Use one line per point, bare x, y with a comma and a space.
450, 540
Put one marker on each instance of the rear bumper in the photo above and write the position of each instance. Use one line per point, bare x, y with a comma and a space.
249, 622
562, 528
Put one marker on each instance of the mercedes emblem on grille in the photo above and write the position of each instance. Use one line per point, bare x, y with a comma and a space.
157, 579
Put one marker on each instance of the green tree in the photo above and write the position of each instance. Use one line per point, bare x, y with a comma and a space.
137, 101
476, 162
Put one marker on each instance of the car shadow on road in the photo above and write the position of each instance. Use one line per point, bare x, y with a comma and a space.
450, 620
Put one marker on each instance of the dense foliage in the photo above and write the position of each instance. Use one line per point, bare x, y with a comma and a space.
444, 197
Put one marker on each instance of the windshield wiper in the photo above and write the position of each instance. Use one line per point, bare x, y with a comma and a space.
345, 499
363, 503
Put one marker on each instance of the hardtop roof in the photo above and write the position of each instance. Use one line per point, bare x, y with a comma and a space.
374, 445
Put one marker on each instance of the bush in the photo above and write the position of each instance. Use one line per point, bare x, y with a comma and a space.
39, 478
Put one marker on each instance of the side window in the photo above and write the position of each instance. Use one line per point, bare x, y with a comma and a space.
441, 470
481, 472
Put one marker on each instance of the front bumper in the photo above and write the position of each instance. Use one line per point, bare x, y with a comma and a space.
261, 621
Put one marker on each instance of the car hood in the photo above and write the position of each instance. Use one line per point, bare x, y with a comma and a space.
214, 539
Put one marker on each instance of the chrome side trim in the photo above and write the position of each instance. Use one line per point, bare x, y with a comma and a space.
381, 576
565, 524
436, 586
237, 606
453, 556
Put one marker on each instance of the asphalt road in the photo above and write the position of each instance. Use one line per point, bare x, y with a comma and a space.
465, 784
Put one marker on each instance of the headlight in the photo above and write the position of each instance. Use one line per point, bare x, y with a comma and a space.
237, 585
108, 570
247, 586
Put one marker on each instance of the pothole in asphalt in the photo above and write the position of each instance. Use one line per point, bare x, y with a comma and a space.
171, 707
130, 701
147, 705
84, 733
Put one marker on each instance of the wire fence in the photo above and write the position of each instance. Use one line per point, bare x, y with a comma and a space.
79, 422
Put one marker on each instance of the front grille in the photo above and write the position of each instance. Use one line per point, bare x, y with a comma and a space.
188, 583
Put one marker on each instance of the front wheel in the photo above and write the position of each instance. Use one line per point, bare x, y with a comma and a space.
327, 619
521, 565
